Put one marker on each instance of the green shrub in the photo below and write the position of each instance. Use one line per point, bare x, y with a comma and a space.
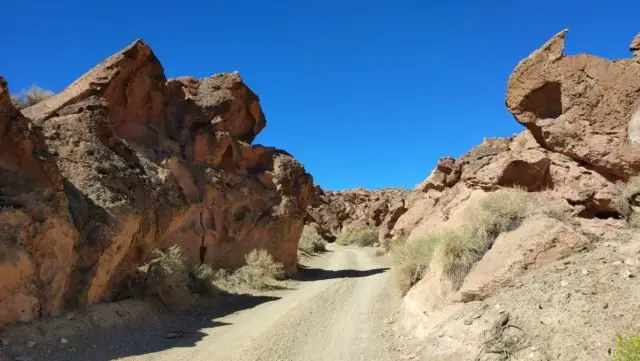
411, 260
311, 241
627, 349
358, 237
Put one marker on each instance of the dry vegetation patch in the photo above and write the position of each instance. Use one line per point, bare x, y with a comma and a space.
365, 237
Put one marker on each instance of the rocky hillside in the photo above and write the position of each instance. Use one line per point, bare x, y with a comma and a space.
558, 279
124, 161
336, 212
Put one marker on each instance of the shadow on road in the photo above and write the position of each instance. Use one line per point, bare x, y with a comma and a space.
315, 274
147, 337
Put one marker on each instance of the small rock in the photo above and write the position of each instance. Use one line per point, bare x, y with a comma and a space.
176, 334
564, 283
616, 263
388, 320
540, 306
441, 334
64, 341
561, 267
71, 316
584, 272
605, 306
477, 316
23, 358
31, 344
468, 321
628, 274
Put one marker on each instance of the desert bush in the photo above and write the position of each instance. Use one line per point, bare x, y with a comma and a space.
625, 194
29, 97
411, 260
498, 212
627, 349
259, 271
202, 279
358, 237
167, 278
311, 241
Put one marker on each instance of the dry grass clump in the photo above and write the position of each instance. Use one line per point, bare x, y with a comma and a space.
29, 97
311, 241
202, 279
498, 212
260, 272
411, 260
358, 237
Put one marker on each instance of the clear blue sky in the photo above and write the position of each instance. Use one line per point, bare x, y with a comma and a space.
364, 93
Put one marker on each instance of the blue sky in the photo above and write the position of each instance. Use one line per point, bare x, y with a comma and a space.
363, 93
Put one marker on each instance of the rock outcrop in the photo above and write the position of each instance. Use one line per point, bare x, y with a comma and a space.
580, 113
335, 212
581, 106
124, 161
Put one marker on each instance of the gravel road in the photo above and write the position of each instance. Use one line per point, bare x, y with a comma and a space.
341, 309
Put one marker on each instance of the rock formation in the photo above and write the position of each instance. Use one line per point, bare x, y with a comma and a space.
580, 113
335, 212
123, 161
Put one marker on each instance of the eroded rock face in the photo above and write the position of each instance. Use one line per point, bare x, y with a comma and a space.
37, 237
582, 106
124, 161
359, 208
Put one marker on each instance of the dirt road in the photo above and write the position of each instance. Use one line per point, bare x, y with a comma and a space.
339, 310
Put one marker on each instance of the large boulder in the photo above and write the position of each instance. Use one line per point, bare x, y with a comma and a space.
581, 106
124, 161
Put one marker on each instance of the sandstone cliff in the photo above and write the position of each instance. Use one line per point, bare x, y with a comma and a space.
124, 161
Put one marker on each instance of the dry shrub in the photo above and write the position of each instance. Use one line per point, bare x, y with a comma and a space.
358, 237
498, 212
259, 272
29, 97
202, 279
411, 260
167, 278
625, 199
311, 241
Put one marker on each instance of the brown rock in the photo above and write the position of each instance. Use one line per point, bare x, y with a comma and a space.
634, 47
124, 161
36, 234
582, 106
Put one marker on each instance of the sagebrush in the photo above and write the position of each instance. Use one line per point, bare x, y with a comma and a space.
167, 278
31, 96
311, 241
411, 260
625, 198
358, 237
260, 272
460, 249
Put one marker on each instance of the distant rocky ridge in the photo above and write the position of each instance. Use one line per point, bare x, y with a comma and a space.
124, 161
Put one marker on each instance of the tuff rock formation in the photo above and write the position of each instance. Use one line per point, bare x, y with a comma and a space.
336, 212
581, 106
124, 161
580, 113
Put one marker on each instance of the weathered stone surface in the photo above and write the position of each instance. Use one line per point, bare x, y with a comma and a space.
634, 47
123, 161
37, 237
582, 106
358, 209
